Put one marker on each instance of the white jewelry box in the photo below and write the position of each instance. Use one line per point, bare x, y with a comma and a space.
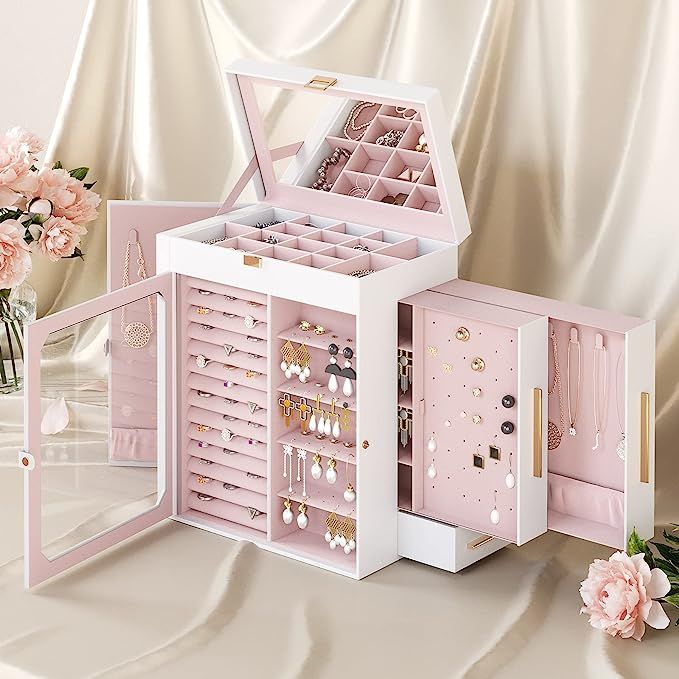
229, 295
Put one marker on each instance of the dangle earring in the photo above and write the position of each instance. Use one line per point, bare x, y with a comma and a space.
287, 465
287, 512
302, 518
510, 480
301, 469
321, 426
348, 372
431, 444
350, 492
316, 468
345, 418
313, 425
332, 523
349, 534
495, 514
336, 430
332, 368
327, 429
432, 448
573, 409
288, 352
331, 471
304, 363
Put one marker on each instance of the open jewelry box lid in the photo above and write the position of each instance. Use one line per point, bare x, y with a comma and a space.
292, 118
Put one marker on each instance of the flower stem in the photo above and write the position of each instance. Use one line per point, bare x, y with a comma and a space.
11, 354
3, 375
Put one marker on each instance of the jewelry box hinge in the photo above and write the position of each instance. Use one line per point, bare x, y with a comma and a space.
26, 460
321, 82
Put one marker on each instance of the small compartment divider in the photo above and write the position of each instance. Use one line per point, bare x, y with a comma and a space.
402, 161
389, 187
424, 198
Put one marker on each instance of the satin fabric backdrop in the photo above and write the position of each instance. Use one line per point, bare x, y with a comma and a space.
563, 119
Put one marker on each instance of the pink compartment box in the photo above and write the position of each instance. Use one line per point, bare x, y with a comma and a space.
411, 138
409, 163
380, 128
384, 187
331, 237
353, 184
369, 159
290, 229
403, 111
424, 198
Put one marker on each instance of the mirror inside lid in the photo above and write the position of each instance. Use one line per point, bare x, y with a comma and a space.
353, 148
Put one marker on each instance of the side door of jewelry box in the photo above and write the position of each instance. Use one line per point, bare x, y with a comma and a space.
76, 504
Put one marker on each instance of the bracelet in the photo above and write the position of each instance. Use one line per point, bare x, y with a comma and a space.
321, 184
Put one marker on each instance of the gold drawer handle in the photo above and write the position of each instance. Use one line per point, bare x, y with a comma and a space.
480, 541
537, 433
252, 260
645, 458
321, 82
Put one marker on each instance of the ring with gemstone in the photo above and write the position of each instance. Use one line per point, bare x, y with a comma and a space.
204, 497
203, 311
250, 322
204, 394
203, 428
227, 434
202, 361
250, 338
204, 292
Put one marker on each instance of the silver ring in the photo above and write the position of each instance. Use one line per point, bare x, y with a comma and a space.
204, 394
202, 361
229, 418
204, 461
230, 298
204, 292
250, 338
227, 435
250, 322
204, 497
229, 486
205, 326
228, 315
230, 401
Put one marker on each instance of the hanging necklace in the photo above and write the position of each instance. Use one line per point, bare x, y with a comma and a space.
621, 448
554, 432
600, 388
350, 125
573, 410
137, 334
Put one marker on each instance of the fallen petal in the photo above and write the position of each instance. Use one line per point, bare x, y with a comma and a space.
56, 417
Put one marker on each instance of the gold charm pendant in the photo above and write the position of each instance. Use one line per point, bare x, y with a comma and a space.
137, 335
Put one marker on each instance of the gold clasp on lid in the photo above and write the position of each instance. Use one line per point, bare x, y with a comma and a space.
321, 82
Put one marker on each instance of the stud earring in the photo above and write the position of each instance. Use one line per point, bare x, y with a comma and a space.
316, 468
332, 368
431, 444
302, 518
350, 492
287, 465
348, 372
304, 363
331, 471
431, 469
301, 469
287, 511
510, 480
495, 514
288, 352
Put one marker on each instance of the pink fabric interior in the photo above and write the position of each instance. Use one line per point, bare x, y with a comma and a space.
138, 445
586, 501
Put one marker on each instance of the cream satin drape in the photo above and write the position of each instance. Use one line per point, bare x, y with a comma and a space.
564, 119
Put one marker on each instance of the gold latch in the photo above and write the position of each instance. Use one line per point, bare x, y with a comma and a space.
252, 260
480, 541
645, 456
537, 433
321, 82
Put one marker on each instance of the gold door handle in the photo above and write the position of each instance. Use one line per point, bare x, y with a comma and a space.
645, 457
321, 82
480, 541
537, 433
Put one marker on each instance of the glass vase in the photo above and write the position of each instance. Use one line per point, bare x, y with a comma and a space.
17, 308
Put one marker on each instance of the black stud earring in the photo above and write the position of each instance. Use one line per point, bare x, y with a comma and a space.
507, 427
332, 368
508, 401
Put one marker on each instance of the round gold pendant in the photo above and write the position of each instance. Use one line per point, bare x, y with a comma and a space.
137, 335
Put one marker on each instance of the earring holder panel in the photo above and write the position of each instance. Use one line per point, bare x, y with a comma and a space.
511, 345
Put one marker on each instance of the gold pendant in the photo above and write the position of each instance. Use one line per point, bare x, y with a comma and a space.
137, 335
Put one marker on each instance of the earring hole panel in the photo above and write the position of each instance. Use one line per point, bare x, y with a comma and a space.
475, 463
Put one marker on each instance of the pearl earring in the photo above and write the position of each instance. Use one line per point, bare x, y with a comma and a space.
313, 424
431, 444
304, 363
287, 511
348, 372
331, 472
302, 518
332, 525
316, 468
510, 480
288, 352
349, 535
431, 470
495, 514
350, 492
332, 368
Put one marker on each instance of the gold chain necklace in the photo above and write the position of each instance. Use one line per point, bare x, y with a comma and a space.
137, 334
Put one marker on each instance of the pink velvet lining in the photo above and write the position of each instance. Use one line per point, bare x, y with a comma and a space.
133, 444
586, 501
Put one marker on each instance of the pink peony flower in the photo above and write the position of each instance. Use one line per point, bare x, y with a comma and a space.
22, 136
618, 596
59, 238
68, 196
16, 177
15, 256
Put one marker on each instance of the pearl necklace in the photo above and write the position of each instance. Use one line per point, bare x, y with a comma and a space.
353, 116
321, 184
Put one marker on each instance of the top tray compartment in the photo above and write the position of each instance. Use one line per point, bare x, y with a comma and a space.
359, 149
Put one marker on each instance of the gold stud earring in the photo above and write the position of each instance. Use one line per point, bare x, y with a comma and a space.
478, 364
462, 334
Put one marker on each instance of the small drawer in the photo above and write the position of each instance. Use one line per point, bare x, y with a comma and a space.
441, 545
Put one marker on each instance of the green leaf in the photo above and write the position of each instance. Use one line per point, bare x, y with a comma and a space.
90, 185
57, 166
667, 568
79, 173
670, 538
76, 253
672, 599
10, 214
635, 545
669, 554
